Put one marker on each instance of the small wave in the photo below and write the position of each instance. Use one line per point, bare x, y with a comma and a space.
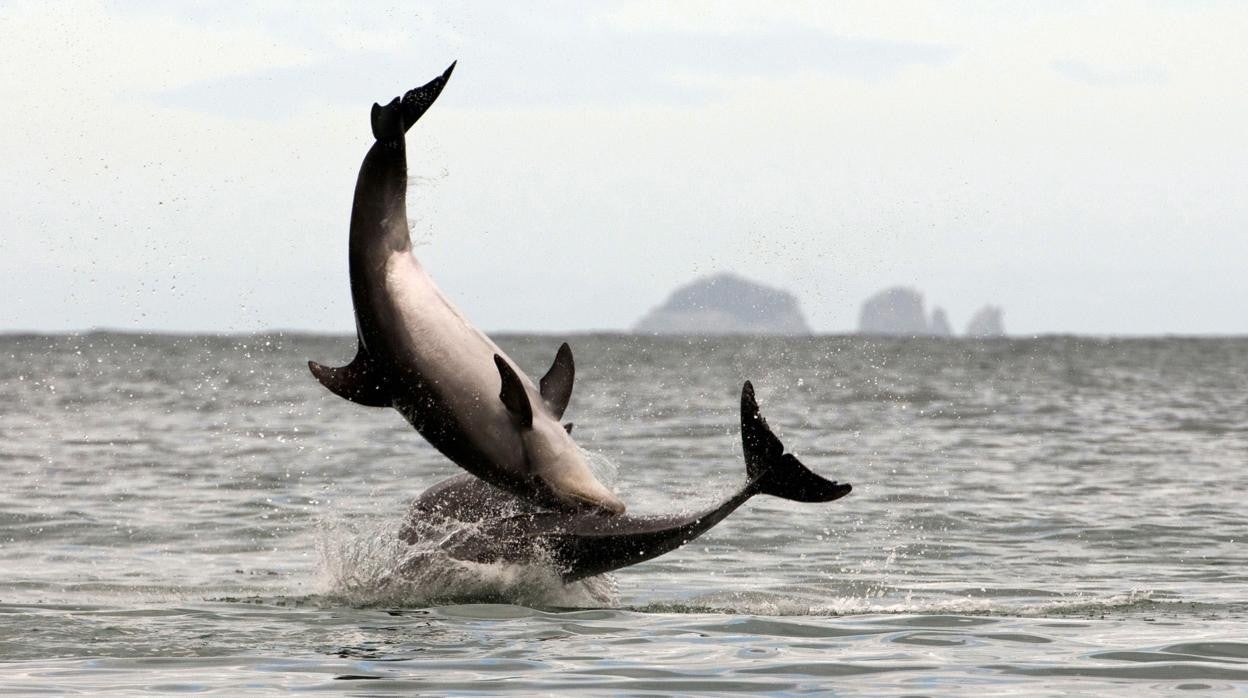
1207, 426
766, 604
365, 563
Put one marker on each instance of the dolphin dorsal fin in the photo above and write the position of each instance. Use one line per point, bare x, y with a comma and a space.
513, 394
358, 381
556, 385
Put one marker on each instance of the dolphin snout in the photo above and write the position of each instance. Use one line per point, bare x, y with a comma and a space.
586, 493
611, 504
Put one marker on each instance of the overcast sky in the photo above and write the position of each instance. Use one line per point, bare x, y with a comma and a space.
190, 167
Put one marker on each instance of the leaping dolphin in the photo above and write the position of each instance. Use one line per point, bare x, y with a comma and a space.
418, 354
500, 528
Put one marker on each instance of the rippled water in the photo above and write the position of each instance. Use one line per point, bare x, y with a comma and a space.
196, 513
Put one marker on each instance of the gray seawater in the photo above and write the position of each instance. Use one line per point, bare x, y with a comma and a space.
185, 514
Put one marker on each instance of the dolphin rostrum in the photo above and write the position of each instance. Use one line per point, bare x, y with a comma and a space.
500, 528
418, 354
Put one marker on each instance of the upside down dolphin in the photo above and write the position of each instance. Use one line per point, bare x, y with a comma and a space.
501, 528
418, 354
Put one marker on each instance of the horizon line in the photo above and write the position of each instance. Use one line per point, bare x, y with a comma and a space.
7, 333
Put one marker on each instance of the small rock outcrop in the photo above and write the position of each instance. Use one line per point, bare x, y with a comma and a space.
987, 322
726, 304
939, 326
898, 312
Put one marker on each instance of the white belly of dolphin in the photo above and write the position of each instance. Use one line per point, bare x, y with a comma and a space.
455, 358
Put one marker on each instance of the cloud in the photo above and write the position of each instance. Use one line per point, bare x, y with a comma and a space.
1102, 76
86, 51
191, 165
570, 63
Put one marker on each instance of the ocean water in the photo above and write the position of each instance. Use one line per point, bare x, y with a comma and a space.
196, 514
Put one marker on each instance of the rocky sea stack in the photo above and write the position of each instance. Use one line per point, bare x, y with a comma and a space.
726, 304
987, 323
898, 312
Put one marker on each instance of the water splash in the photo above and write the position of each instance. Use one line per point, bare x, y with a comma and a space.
365, 563
602, 467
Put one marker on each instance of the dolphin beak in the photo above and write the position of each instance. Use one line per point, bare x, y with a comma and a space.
608, 503
585, 492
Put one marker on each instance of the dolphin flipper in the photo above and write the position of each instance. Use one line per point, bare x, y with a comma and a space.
358, 381
556, 385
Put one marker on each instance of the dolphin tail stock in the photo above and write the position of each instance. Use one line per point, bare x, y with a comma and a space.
394, 119
771, 470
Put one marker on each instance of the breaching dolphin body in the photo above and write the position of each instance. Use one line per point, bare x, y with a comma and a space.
500, 528
418, 354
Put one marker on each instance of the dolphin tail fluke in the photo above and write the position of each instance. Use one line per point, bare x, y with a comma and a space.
416, 102
770, 469
394, 119
358, 381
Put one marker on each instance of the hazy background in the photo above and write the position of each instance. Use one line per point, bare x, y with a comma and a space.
190, 167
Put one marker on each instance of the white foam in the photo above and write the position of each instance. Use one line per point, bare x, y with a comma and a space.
602, 467
365, 563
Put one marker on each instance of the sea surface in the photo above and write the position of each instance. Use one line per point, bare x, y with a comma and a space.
184, 514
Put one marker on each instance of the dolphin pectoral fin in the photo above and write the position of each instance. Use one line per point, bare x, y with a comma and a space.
770, 469
358, 381
513, 394
556, 385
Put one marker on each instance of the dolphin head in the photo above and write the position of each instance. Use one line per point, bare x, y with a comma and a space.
552, 456
555, 459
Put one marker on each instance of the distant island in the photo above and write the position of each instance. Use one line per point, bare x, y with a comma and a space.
899, 312
986, 323
726, 304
